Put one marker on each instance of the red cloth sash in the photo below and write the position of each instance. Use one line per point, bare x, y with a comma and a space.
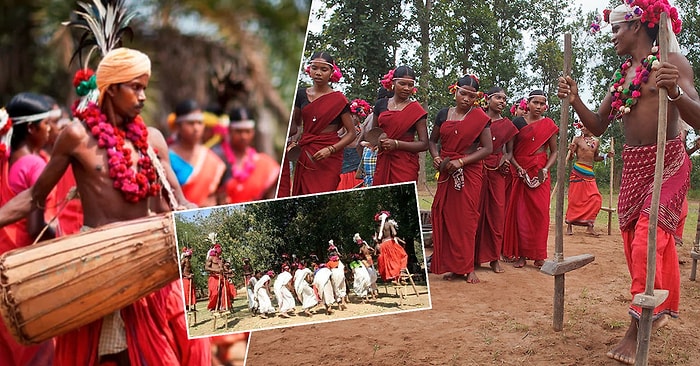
398, 166
264, 175
533, 136
312, 176
638, 179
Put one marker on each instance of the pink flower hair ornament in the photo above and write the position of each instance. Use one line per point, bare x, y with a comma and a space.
336, 75
522, 103
387, 80
360, 107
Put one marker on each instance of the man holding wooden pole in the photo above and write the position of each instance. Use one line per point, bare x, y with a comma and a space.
634, 99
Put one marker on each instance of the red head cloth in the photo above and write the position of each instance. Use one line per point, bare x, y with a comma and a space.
119, 66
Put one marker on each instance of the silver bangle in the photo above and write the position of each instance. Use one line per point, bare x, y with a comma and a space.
680, 94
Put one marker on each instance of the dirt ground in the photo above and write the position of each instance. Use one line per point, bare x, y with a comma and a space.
388, 301
504, 320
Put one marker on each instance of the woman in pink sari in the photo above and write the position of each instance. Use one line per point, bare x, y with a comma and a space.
320, 112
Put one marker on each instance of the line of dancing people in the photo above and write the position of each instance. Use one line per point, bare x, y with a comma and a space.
311, 281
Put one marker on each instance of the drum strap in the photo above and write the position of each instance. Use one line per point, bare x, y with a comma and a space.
163, 178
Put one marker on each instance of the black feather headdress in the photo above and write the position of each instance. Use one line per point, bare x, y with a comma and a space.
104, 22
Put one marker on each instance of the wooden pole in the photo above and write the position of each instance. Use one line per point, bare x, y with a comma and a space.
644, 332
558, 320
695, 251
612, 177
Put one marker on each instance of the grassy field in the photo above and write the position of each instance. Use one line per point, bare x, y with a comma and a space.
425, 199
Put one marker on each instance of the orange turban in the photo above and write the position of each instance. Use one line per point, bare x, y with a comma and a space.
119, 66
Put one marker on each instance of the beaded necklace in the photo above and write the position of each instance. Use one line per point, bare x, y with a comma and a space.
623, 99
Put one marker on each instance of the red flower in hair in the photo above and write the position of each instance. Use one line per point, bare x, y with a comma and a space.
388, 79
82, 75
606, 15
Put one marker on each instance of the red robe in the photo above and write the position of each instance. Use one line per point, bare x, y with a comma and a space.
15, 236
455, 213
527, 212
284, 189
264, 176
398, 166
311, 176
585, 200
156, 335
215, 303
392, 259
489, 234
189, 290
634, 204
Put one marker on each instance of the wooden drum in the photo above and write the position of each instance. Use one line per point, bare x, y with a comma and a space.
56, 286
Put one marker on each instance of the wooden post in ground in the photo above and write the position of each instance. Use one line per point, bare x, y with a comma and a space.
610, 209
559, 266
695, 251
652, 298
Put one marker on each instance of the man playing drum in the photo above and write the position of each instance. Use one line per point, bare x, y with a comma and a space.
113, 187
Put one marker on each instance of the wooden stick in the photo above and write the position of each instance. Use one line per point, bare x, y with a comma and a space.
558, 319
645, 321
612, 177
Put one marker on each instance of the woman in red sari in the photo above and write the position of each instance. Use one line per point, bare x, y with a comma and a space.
527, 214
489, 235
401, 119
465, 138
320, 112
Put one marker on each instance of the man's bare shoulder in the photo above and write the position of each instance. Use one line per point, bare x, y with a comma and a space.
71, 138
74, 131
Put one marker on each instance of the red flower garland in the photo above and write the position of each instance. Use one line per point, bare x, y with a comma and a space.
135, 185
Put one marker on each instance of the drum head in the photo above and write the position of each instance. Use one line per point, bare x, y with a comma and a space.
293, 153
374, 135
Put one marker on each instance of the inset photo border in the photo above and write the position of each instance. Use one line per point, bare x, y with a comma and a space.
302, 260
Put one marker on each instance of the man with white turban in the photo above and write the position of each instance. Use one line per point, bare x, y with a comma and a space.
122, 78
633, 98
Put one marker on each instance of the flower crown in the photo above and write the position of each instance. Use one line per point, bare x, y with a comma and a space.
360, 107
647, 11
